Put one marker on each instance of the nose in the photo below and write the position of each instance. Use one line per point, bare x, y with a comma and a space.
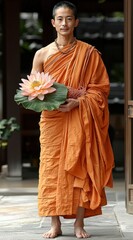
64, 22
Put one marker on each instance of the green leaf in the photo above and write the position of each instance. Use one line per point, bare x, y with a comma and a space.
3, 123
51, 101
7, 127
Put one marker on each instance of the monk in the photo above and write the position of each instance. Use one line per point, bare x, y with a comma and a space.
76, 158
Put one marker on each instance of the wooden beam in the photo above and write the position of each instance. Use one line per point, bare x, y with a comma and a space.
83, 6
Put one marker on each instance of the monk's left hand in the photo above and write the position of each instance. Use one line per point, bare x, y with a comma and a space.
70, 104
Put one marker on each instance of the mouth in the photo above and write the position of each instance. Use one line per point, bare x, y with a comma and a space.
64, 29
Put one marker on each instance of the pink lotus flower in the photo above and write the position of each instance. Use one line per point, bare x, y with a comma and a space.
37, 85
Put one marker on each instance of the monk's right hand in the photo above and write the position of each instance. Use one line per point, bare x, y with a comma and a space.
69, 105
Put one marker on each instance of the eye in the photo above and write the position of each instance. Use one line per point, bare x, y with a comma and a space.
59, 19
69, 18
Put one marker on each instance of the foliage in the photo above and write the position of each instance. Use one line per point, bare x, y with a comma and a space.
7, 127
30, 32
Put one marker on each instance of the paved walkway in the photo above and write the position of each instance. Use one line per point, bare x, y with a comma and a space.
19, 217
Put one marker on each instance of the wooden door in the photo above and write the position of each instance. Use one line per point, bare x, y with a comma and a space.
128, 58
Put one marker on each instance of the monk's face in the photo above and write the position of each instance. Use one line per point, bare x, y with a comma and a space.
64, 21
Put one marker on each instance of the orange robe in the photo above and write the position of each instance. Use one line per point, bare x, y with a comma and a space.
76, 158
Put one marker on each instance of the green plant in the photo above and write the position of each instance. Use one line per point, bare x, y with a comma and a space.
7, 127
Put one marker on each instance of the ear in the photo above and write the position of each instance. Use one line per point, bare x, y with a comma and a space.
76, 22
53, 22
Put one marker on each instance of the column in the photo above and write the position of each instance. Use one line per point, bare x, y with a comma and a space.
10, 81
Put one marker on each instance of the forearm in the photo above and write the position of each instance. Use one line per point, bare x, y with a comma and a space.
75, 93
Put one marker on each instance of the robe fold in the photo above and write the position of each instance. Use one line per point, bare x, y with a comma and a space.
76, 157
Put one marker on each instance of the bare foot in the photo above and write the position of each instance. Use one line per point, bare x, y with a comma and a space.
79, 224
55, 230
53, 233
81, 233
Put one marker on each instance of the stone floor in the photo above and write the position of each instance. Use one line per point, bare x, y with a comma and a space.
19, 218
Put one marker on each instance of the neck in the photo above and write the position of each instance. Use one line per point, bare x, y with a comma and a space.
70, 46
64, 41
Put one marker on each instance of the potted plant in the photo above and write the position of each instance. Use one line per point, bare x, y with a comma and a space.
7, 127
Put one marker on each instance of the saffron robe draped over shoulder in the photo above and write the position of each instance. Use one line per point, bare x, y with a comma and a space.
76, 158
